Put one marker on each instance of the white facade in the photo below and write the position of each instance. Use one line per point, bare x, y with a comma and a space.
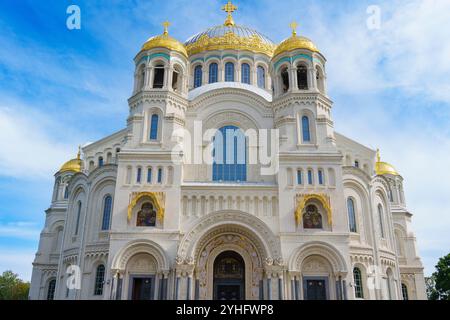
262, 223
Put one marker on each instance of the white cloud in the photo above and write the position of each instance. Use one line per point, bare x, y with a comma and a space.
19, 230
29, 144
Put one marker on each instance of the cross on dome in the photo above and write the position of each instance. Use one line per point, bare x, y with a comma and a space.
166, 24
229, 8
293, 25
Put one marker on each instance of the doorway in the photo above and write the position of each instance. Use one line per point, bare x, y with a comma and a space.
142, 288
315, 288
229, 276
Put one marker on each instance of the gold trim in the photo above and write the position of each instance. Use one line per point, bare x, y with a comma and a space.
382, 168
230, 41
302, 199
165, 41
158, 199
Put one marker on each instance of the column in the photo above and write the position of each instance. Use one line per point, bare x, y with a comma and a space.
188, 287
293, 292
311, 79
269, 288
149, 75
177, 286
293, 86
280, 288
167, 73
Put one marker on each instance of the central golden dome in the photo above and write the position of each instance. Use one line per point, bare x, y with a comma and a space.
231, 37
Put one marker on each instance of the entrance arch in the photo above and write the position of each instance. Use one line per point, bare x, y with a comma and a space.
229, 276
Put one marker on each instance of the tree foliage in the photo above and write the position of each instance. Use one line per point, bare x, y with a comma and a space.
13, 288
441, 280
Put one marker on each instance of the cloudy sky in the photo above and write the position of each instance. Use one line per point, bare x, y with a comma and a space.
61, 88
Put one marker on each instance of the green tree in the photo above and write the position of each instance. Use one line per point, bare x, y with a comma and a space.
13, 288
441, 279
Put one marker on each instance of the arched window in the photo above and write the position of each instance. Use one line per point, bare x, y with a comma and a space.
405, 292
229, 71
351, 215
149, 175
306, 133
310, 176
99, 280
198, 76
100, 161
284, 80
357, 279
302, 78
139, 175
356, 164
176, 75
146, 217
320, 176
380, 217
245, 73
77, 223
160, 175
229, 155
109, 157
158, 78
66, 192
299, 177
312, 219
320, 80
154, 127
261, 75
142, 77
213, 73
51, 289
107, 205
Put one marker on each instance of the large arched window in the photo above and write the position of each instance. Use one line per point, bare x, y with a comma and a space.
245, 73
284, 80
154, 127
100, 162
107, 205
213, 73
229, 71
261, 75
357, 279
302, 78
77, 223
229, 155
51, 289
198, 76
312, 219
99, 280
146, 217
306, 133
158, 78
405, 292
380, 217
351, 215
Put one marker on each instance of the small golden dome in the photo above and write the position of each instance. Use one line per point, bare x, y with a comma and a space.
295, 42
165, 41
72, 165
384, 167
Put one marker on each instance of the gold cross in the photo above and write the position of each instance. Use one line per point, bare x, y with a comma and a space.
166, 25
229, 8
293, 25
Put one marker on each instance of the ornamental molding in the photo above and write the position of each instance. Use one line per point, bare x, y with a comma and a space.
217, 95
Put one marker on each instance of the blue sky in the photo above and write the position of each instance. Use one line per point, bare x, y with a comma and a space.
61, 88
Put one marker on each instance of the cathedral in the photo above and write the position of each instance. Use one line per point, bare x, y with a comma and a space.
228, 182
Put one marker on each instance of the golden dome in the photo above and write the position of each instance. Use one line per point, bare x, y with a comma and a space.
72, 165
384, 167
229, 36
295, 42
165, 41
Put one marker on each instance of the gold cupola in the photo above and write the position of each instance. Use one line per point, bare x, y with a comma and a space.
229, 36
295, 42
165, 41
73, 165
382, 168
